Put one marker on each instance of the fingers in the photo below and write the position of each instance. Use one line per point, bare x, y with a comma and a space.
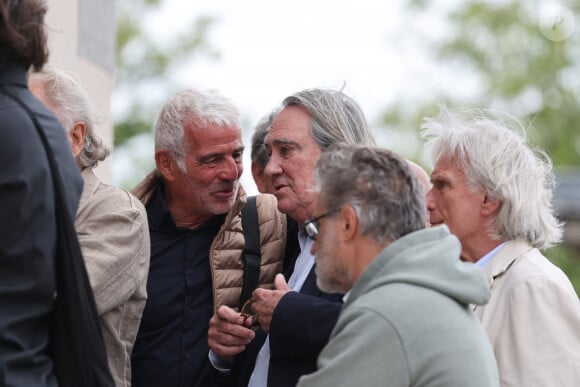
264, 322
226, 335
229, 315
261, 294
280, 283
265, 302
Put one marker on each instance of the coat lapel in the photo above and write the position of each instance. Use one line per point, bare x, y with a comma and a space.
504, 259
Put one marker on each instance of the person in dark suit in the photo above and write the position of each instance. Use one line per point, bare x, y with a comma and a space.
28, 230
295, 318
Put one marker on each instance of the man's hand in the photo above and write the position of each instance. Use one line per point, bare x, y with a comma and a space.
227, 335
265, 301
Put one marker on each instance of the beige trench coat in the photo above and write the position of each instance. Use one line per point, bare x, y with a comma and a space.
532, 319
114, 236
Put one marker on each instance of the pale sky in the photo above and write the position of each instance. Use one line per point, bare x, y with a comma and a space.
271, 49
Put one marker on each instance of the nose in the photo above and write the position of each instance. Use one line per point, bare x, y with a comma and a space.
231, 169
430, 201
313, 248
273, 167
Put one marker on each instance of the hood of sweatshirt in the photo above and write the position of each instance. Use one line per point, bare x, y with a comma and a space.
427, 258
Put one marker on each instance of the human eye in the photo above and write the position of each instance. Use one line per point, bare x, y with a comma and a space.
210, 160
238, 156
268, 149
285, 150
439, 184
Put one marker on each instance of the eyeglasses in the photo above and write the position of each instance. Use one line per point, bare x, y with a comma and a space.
312, 226
246, 313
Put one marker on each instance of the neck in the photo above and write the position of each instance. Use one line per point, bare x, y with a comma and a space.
183, 220
301, 215
182, 212
474, 252
364, 253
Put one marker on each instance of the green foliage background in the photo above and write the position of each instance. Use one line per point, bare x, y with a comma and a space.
519, 70
497, 43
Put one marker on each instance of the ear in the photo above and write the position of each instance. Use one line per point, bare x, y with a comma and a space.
489, 206
258, 175
76, 137
349, 223
165, 164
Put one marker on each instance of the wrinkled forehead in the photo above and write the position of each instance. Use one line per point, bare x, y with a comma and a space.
291, 124
448, 168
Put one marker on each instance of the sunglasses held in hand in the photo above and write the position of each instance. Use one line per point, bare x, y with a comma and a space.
247, 313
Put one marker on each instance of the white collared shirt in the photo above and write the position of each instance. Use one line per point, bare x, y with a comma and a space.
481, 263
302, 267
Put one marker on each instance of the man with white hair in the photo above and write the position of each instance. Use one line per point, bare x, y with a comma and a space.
494, 193
111, 224
194, 204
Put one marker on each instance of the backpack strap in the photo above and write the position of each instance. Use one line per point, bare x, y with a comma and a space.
251, 255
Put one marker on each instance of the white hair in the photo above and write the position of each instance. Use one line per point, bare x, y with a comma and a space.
199, 107
70, 104
498, 161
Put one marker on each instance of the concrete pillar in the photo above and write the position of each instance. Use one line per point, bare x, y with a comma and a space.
81, 40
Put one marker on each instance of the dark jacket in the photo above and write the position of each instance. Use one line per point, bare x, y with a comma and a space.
28, 231
300, 328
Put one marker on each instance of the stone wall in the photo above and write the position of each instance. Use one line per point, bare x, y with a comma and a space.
81, 37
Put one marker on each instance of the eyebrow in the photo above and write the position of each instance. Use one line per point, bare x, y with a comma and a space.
281, 141
436, 177
219, 154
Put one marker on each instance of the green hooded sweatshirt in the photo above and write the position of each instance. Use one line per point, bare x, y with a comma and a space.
408, 321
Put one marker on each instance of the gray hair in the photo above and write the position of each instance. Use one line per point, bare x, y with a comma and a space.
71, 104
380, 185
335, 117
198, 107
497, 160
259, 152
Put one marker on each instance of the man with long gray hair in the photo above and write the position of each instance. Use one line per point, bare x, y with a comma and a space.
495, 194
407, 320
111, 224
296, 318
194, 202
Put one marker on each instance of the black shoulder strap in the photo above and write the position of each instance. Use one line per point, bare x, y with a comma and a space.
251, 255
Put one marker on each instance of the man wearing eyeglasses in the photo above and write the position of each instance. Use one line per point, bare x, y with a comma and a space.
296, 318
407, 320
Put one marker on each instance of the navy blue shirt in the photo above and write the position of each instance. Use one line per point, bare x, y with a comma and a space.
171, 347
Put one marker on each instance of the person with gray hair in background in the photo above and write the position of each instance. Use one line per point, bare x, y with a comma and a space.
111, 224
295, 318
407, 320
259, 154
494, 193
194, 204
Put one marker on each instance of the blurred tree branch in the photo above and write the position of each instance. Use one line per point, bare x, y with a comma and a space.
145, 64
518, 69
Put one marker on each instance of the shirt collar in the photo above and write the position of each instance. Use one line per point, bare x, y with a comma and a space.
13, 73
489, 256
